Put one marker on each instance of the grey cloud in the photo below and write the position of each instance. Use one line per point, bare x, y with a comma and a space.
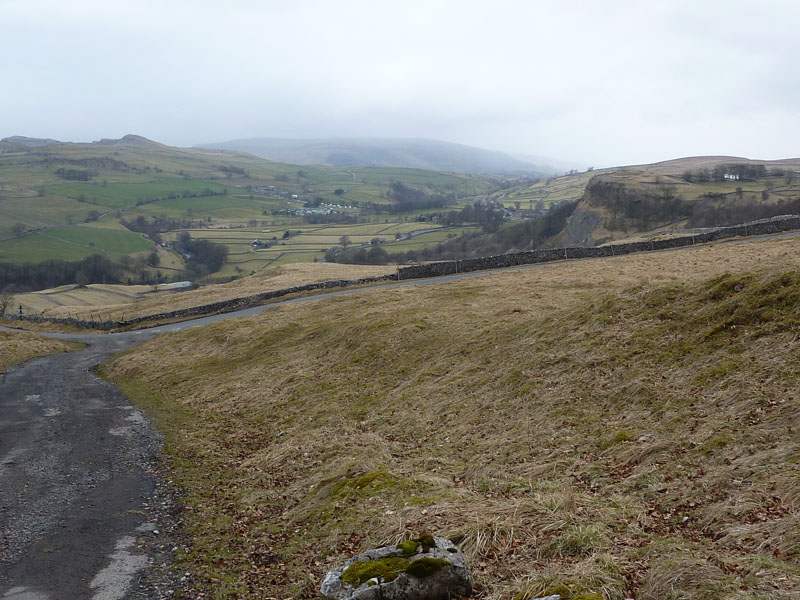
606, 83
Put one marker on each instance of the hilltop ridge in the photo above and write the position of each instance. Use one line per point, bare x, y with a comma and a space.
410, 153
29, 142
129, 140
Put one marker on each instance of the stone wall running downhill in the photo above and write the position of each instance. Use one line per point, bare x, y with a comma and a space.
436, 269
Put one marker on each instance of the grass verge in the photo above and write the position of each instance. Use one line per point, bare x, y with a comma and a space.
16, 348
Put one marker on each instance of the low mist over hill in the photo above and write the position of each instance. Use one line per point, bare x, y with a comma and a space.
412, 153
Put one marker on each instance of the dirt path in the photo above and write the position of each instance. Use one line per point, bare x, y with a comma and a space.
76, 483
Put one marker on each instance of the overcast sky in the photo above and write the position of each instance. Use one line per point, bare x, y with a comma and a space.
596, 82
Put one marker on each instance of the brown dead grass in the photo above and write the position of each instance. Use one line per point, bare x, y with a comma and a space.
626, 426
127, 302
18, 347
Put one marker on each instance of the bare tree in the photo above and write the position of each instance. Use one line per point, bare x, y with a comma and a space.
6, 300
344, 241
18, 229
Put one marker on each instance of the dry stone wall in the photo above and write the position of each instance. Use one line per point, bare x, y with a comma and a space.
450, 267
763, 227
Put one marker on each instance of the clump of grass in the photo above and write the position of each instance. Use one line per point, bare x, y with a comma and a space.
715, 443
565, 591
577, 540
677, 576
368, 483
623, 435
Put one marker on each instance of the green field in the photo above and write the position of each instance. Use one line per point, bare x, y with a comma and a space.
120, 195
36, 212
72, 243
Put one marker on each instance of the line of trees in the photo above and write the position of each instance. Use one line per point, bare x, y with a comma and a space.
638, 208
185, 194
202, 256
488, 215
231, 171
73, 174
23, 277
155, 226
743, 171
706, 212
526, 235
405, 198
644, 208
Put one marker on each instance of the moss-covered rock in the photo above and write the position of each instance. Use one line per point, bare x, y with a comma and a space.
561, 589
384, 569
421, 544
426, 566
408, 548
427, 542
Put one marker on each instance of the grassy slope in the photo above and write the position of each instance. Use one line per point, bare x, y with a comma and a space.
18, 347
626, 426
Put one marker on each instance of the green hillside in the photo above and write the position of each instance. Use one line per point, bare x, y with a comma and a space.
49, 189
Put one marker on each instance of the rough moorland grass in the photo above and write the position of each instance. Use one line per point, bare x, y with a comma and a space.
18, 347
632, 440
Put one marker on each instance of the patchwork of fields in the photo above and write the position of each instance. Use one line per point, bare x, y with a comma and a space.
312, 241
43, 216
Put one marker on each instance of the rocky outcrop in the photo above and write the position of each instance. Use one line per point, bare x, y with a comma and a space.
426, 568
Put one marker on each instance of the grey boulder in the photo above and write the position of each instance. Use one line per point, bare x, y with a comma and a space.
438, 572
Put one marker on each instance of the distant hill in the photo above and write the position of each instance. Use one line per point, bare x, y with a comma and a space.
29, 142
690, 192
412, 153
